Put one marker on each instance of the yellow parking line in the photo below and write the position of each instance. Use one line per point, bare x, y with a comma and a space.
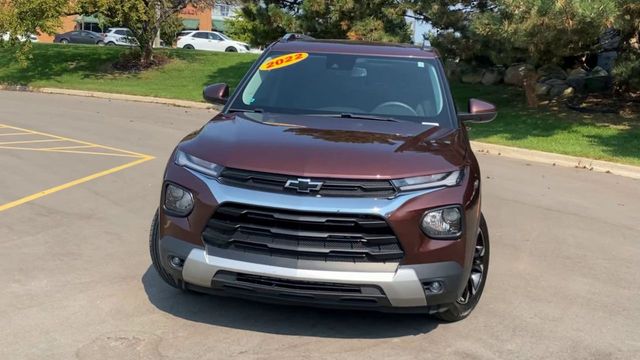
69, 147
15, 133
27, 141
73, 183
74, 140
93, 153
70, 151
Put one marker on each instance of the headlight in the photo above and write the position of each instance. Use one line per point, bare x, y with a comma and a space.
443, 223
430, 181
197, 164
178, 200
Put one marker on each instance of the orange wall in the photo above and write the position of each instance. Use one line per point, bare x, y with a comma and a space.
68, 24
204, 15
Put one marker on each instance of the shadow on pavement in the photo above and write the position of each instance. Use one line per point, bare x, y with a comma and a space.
284, 320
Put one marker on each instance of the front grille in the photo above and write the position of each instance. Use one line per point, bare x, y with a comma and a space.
310, 292
309, 286
330, 187
302, 235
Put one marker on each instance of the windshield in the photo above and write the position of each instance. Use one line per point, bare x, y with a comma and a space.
318, 83
224, 36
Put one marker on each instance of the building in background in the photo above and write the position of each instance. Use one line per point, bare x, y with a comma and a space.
222, 12
192, 19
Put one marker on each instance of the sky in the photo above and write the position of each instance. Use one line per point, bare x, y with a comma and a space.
419, 27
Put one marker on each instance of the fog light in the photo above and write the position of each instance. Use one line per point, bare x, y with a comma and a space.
176, 262
178, 200
434, 287
443, 223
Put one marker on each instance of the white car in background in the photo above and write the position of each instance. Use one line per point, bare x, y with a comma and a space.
212, 41
21, 38
119, 36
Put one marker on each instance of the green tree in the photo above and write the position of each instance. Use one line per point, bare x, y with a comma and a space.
19, 18
170, 28
143, 17
627, 69
260, 23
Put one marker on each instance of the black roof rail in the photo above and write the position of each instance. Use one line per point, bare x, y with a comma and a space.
295, 36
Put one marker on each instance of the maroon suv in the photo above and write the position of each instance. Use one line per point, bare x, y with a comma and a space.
338, 174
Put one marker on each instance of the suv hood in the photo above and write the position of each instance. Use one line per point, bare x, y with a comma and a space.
314, 146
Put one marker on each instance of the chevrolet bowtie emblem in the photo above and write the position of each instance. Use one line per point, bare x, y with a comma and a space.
303, 185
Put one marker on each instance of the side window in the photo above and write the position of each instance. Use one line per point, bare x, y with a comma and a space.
214, 36
201, 35
120, 32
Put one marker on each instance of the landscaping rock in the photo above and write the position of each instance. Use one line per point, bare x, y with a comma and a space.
472, 77
597, 83
554, 82
491, 77
568, 92
576, 78
542, 89
598, 71
515, 74
551, 71
558, 90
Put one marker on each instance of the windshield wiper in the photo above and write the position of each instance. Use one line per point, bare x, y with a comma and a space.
256, 110
356, 116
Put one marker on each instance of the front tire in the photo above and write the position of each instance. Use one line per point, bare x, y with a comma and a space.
472, 292
111, 43
64, 41
231, 49
188, 47
154, 250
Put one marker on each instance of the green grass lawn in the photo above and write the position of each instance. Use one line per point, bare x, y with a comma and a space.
88, 68
598, 136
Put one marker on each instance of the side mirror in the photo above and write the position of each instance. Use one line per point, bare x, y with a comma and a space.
479, 112
216, 93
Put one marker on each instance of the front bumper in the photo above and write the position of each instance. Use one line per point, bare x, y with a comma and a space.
394, 290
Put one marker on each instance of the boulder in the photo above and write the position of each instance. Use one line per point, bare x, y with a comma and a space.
568, 92
576, 78
515, 74
542, 89
558, 90
472, 77
554, 82
551, 71
577, 72
491, 77
598, 71
597, 83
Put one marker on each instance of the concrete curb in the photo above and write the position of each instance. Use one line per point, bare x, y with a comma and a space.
483, 148
557, 159
111, 96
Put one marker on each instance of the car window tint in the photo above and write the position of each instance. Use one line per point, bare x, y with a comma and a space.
214, 36
201, 35
120, 32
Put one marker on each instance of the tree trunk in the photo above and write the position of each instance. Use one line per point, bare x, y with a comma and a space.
147, 53
530, 79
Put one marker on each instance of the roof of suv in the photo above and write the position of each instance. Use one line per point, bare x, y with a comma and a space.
355, 47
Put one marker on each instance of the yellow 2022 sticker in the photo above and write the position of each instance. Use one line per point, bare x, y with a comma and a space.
282, 61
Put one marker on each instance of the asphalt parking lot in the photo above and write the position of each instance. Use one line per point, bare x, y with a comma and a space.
80, 181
